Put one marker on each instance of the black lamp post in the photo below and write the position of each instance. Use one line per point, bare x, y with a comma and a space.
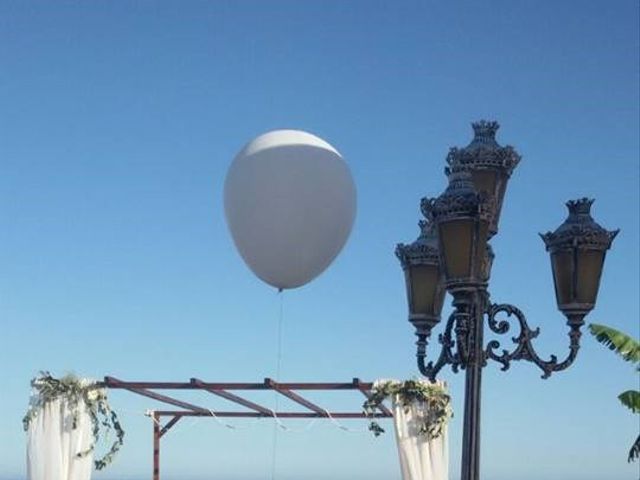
460, 223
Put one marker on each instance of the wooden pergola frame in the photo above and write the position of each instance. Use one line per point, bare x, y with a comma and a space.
252, 409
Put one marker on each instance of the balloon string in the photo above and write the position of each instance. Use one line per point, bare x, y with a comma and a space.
277, 396
279, 342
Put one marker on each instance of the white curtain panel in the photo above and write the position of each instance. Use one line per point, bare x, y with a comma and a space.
53, 444
420, 458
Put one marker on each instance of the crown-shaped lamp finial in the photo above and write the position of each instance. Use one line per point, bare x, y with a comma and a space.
485, 131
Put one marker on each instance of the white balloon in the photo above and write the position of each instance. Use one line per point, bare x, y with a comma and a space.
290, 204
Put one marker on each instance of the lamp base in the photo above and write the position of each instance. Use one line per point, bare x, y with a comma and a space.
423, 323
575, 318
457, 287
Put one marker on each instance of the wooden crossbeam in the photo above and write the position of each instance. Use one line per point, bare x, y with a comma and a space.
295, 397
161, 398
298, 415
367, 393
234, 398
221, 389
169, 424
111, 382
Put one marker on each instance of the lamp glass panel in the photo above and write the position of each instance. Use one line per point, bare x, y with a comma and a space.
493, 183
485, 181
439, 295
589, 270
562, 264
480, 267
486, 266
456, 239
423, 281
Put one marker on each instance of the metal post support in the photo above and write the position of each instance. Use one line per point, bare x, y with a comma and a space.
471, 434
156, 445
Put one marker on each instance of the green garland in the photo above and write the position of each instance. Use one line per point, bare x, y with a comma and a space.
438, 411
77, 391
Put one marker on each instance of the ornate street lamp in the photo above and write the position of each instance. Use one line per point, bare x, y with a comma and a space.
489, 163
465, 217
425, 287
462, 216
577, 250
424, 280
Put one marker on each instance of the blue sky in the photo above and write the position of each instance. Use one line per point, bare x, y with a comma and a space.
119, 120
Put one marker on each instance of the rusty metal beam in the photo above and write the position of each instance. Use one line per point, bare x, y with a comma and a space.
234, 398
295, 397
220, 389
159, 397
156, 446
169, 424
223, 414
114, 383
367, 393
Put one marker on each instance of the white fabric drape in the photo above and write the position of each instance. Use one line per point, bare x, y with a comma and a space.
420, 458
53, 444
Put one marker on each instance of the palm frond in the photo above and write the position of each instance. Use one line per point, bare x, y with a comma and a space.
634, 453
631, 400
624, 345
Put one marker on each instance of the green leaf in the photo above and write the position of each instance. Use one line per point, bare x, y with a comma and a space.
75, 392
634, 453
631, 400
434, 395
622, 344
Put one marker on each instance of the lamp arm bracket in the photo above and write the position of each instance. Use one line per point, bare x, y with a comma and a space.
447, 357
524, 349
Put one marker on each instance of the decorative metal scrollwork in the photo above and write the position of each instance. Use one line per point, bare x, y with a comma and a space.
447, 357
458, 343
524, 349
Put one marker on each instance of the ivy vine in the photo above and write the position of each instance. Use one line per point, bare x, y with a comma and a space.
76, 392
432, 395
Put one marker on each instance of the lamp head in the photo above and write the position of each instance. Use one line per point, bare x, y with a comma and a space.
489, 163
420, 261
462, 216
577, 249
